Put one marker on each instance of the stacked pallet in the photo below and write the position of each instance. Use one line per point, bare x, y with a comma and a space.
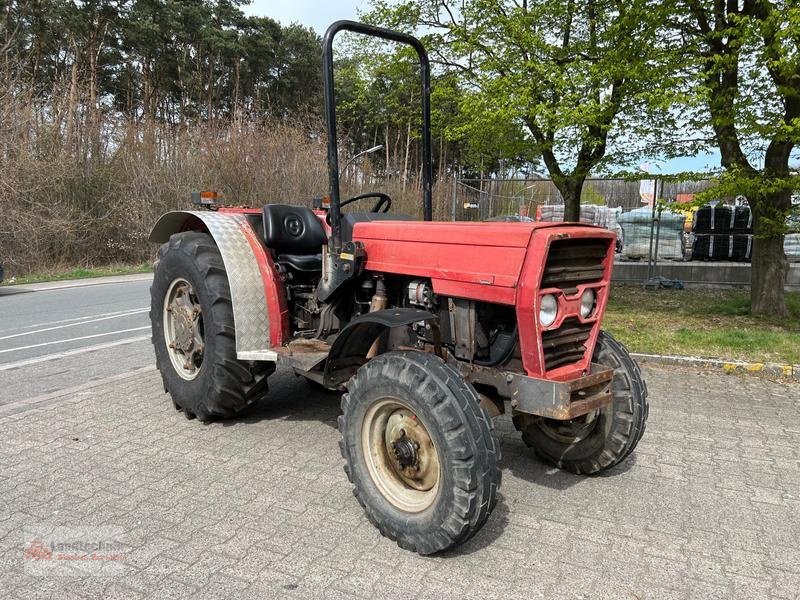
591, 214
791, 243
723, 233
636, 227
791, 246
554, 213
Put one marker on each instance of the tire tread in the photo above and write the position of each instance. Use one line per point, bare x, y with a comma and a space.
477, 478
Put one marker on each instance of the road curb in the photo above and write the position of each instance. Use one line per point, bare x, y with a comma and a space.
786, 371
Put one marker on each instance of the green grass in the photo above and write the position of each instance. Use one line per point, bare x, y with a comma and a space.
78, 273
707, 323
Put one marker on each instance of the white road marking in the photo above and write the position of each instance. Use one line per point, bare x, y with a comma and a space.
85, 321
71, 319
75, 339
65, 353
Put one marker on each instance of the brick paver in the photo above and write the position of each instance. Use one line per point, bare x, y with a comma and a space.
707, 507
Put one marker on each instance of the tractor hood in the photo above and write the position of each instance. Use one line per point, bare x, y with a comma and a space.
468, 260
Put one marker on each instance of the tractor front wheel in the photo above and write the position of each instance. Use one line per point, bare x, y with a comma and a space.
419, 450
194, 335
600, 439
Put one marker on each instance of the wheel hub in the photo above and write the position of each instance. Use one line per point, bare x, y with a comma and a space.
401, 457
410, 450
183, 328
405, 452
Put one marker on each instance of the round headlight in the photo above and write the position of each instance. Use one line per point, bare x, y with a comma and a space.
548, 309
588, 298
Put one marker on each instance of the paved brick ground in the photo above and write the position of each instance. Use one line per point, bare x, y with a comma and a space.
707, 507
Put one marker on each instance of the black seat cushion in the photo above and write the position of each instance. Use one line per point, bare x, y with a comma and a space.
302, 262
293, 230
350, 219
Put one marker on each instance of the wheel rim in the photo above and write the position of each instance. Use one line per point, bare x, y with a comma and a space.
183, 329
401, 458
572, 431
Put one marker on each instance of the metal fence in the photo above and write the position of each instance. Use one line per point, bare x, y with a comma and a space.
481, 199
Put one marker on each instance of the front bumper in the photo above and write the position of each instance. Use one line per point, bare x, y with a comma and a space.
562, 400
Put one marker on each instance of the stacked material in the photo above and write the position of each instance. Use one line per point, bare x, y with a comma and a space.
636, 227
723, 233
791, 242
722, 247
591, 214
688, 214
723, 219
791, 246
554, 213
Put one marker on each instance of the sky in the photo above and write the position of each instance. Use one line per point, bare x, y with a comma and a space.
313, 13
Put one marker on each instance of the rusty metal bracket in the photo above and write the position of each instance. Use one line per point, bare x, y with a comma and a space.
561, 400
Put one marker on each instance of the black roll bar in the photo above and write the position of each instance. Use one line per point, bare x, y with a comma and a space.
330, 118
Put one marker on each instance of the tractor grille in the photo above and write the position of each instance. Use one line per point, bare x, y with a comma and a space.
571, 262
565, 345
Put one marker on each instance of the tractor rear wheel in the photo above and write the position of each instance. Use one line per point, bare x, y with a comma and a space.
193, 332
603, 438
419, 450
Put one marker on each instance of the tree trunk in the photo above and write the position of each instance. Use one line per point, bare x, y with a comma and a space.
571, 188
769, 271
236, 91
405, 160
71, 104
210, 96
94, 125
769, 266
386, 148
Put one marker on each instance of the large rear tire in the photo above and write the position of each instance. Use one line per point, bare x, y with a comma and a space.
603, 438
419, 451
194, 335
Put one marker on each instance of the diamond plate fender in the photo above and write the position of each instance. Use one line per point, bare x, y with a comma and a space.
259, 305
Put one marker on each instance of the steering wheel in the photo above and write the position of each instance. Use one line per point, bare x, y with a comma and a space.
384, 201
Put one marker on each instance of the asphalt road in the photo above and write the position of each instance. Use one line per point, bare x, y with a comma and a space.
58, 336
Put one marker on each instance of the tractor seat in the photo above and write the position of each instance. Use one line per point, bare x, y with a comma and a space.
350, 219
306, 263
296, 236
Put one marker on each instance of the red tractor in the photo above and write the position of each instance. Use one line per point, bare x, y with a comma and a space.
433, 329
